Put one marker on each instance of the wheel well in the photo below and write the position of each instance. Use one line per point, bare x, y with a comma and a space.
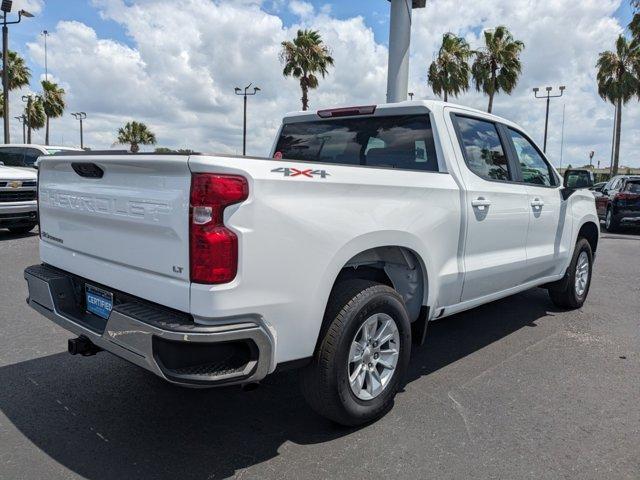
397, 267
589, 231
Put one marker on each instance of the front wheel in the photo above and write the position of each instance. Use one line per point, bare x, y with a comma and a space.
573, 290
362, 356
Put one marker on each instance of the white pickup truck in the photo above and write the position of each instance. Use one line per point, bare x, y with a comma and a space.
333, 255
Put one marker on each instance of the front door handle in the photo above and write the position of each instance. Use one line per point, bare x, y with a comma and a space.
480, 203
537, 203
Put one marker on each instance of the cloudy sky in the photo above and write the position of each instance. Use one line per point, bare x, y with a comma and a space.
174, 65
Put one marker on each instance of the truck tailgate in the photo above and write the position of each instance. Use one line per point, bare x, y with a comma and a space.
127, 229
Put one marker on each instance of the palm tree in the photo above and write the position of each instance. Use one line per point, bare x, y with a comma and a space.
634, 26
303, 58
34, 114
19, 75
449, 72
53, 102
136, 134
497, 65
618, 82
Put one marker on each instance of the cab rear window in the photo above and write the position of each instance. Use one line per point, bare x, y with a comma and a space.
401, 141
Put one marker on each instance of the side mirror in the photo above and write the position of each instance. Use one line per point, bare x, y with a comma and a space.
578, 179
575, 179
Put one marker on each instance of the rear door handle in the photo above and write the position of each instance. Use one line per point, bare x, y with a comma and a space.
537, 203
480, 203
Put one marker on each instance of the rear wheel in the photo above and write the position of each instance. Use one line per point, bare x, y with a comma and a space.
611, 222
572, 291
363, 354
22, 228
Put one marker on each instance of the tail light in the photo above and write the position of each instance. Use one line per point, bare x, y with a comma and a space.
213, 247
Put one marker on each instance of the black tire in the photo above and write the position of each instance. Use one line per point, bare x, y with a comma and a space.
564, 294
325, 382
22, 228
611, 221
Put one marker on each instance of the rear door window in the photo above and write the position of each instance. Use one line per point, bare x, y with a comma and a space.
402, 142
483, 149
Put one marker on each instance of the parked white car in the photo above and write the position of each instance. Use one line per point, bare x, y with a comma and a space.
25, 155
332, 256
18, 206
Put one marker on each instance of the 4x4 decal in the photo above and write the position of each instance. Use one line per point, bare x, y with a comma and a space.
295, 172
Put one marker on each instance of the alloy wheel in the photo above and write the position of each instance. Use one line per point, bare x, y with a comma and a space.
373, 356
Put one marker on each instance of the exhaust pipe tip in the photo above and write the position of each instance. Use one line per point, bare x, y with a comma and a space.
82, 346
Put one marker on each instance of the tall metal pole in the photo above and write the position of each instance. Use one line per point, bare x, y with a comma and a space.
562, 137
244, 129
399, 46
5, 78
23, 121
80, 116
546, 126
245, 93
548, 97
399, 43
45, 33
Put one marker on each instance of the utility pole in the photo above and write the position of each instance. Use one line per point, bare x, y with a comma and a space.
548, 97
6, 8
245, 94
591, 154
80, 116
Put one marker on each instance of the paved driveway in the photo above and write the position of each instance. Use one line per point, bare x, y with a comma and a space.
514, 389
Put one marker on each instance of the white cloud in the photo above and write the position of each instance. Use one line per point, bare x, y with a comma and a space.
31, 6
301, 9
180, 73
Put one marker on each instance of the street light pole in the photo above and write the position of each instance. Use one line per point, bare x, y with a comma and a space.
245, 94
23, 120
80, 116
6, 8
45, 34
548, 98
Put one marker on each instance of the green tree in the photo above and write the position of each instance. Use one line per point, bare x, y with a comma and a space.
135, 134
618, 82
304, 58
19, 75
34, 114
53, 102
449, 72
497, 65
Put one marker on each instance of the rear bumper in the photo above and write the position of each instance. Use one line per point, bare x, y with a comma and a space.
166, 343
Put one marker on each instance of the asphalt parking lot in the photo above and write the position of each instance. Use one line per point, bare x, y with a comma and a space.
514, 389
